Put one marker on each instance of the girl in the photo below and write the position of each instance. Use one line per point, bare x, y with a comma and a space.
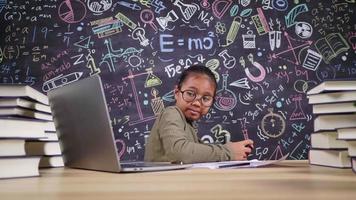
174, 139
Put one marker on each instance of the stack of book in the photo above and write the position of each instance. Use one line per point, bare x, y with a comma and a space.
25, 118
334, 105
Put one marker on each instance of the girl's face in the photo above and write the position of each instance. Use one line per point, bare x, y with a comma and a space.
204, 89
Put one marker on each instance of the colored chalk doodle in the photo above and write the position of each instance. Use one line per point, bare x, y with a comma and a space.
265, 55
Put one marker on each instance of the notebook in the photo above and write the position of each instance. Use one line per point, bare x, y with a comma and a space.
84, 129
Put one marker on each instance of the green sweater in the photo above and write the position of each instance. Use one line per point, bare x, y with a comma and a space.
173, 139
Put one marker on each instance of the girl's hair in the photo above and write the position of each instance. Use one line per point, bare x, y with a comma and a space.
196, 69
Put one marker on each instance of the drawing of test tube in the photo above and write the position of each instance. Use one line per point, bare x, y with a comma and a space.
61, 80
139, 34
234, 28
229, 61
170, 17
275, 39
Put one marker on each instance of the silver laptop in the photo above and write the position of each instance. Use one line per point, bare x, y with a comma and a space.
85, 134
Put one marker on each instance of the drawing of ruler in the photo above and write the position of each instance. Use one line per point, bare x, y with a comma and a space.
126, 20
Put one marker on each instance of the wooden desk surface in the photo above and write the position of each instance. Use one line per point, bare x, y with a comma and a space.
289, 180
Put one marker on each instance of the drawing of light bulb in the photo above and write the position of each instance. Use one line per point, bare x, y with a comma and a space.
170, 17
225, 99
188, 10
139, 34
229, 61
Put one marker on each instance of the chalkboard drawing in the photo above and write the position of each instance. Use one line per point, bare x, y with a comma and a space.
152, 80
2, 4
121, 146
187, 10
225, 99
221, 135
61, 80
67, 13
275, 39
234, 28
213, 64
147, 17
109, 28
273, 124
290, 49
156, 103
83, 43
249, 40
241, 83
303, 30
132, 6
1, 55
220, 7
276, 154
99, 6
137, 102
169, 97
91, 64
170, 17
128, 22
312, 60
292, 15
260, 68
229, 61
298, 112
331, 46
139, 34
205, 4
260, 22
352, 40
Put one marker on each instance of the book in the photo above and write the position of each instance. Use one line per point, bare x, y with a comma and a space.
334, 121
35, 148
329, 157
24, 103
21, 128
346, 133
327, 140
22, 112
348, 107
25, 91
19, 166
351, 147
331, 46
49, 126
49, 136
12, 147
333, 97
335, 85
51, 161
353, 164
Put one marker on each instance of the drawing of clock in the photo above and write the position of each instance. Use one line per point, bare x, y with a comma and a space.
273, 124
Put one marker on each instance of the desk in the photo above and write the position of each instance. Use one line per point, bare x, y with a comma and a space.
289, 180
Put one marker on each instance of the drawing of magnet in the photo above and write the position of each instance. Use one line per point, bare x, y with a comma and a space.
61, 80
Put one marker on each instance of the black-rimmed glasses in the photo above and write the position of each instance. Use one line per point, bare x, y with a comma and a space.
190, 96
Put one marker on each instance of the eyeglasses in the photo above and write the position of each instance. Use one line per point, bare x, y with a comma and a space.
190, 96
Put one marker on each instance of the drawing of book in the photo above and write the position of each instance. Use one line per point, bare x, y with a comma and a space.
331, 46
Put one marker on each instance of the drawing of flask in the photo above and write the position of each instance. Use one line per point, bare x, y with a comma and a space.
187, 10
225, 99
163, 21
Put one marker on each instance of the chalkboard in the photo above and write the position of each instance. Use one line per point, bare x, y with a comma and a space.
265, 54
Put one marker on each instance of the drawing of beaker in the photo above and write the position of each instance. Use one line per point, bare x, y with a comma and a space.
187, 10
229, 61
225, 99
163, 21
298, 112
152, 80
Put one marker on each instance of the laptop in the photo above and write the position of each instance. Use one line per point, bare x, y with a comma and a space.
85, 133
